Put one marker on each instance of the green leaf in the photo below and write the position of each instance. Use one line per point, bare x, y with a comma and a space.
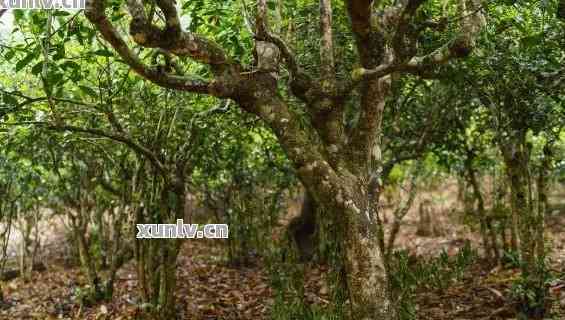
26, 60
54, 77
9, 99
103, 53
61, 13
19, 15
70, 64
60, 52
37, 68
88, 91
117, 17
533, 40
9, 55
76, 76
272, 5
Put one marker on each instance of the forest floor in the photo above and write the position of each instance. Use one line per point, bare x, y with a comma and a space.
209, 289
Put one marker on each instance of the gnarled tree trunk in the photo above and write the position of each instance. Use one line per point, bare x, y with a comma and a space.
340, 167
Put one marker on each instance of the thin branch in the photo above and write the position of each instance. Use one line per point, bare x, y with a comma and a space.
360, 74
98, 132
31, 100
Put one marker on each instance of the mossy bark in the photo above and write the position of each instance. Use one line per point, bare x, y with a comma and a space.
366, 273
516, 158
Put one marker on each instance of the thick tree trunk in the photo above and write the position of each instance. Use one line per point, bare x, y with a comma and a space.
346, 200
327, 159
366, 275
363, 248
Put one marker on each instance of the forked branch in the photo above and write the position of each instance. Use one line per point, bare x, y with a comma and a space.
95, 12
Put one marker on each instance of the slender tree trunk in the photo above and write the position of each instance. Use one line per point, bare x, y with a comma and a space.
514, 214
516, 160
157, 258
87, 262
488, 233
545, 167
530, 226
167, 283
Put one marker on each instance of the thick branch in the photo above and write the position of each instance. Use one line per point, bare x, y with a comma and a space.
300, 142
171, 38
95, 13
262, 19
301, 83
171, 16
360, 15
403, 40
326, 49
472, 22
461, 46
286, 53
362, 146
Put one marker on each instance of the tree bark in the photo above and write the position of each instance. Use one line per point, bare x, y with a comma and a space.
425, 226
542, 189
488, 233
366, 274
302, 228
516, 157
